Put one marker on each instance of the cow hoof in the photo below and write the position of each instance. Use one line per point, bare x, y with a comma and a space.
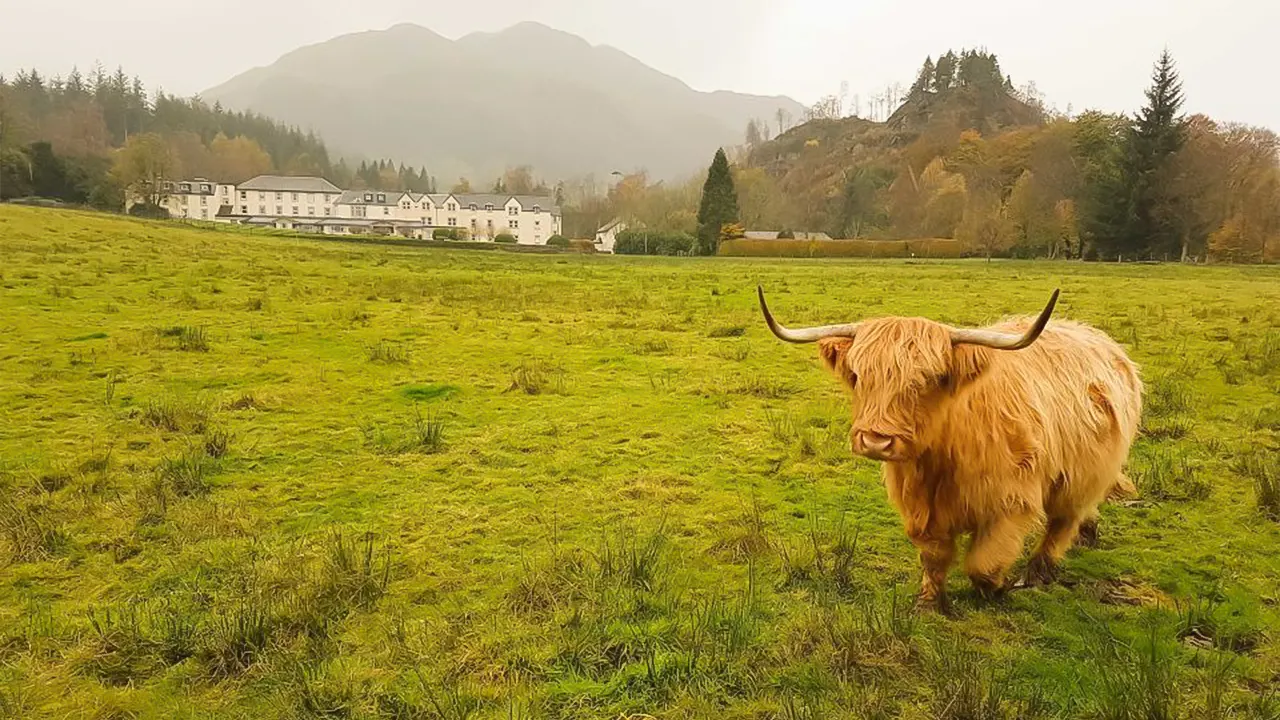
1088, 535
988, 589
1040, 572
938, 604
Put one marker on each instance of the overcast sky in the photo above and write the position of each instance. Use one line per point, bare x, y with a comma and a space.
1086, 53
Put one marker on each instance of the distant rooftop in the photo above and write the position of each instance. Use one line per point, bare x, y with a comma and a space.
282, 183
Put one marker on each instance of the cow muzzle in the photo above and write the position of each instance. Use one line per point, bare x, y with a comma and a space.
878, 447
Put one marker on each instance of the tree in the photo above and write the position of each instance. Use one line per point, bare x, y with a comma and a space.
462, 186
1157, 135
924, 81
143, 167
754, 137
784, 118
719, 205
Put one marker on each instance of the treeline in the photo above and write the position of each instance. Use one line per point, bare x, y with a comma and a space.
86, 138
969, 158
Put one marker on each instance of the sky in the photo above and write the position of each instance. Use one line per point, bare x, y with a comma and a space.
1082, 54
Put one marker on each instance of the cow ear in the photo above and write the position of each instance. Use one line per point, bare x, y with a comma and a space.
968, 362
833, 351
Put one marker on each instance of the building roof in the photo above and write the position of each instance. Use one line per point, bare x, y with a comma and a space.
282, 183
174, 185
482, 199
611, 225
356, 197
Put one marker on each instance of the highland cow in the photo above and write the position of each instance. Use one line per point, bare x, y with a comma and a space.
990, 432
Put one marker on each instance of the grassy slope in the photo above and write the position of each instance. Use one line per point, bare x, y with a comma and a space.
639, 535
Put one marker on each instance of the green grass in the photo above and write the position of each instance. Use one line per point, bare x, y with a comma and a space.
249, 475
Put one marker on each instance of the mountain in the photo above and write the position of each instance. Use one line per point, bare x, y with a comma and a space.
528, 95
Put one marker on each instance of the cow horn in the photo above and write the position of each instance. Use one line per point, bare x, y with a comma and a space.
1006, 341
804, 335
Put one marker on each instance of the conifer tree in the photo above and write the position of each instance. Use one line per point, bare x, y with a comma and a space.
719, 204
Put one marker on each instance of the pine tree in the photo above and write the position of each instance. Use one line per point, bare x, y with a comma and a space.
1157, 134
719, 204
924, 81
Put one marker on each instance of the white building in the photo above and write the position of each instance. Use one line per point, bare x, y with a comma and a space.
197, 199
312, 204
607, 236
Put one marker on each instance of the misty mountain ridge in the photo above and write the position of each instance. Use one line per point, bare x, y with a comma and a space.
488, 101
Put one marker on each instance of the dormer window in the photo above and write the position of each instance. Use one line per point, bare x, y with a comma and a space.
537, 208
204, 188
186, 187
382, 197
489, 207
473, 206
368, 197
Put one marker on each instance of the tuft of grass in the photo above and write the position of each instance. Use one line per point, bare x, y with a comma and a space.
187, 337
1165, 473
728, 331
428, 432
1139, 680
354, 573
387, 353
189, 474
965, 684
29, 533
1168, 395
1263, 468
237, 638
536, 377
217, 442
823, 561
175, 415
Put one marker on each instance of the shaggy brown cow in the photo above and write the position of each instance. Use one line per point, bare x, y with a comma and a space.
992, 432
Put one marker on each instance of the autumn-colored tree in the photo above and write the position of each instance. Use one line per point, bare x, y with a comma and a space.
462, 186
144, 166
238, 159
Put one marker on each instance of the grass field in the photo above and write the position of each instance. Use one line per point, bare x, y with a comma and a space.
248, 477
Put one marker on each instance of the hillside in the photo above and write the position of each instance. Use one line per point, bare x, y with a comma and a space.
487, 101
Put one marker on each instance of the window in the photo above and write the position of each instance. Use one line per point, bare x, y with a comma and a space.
279, 210
537, 223
513, 210
473, 224
186, 187
358, 211
513, 224
473, 207
326, 211
489, 207
224, 190
244, 195
204, 199
453, 222
279, 195
244, 209
382, 197
406, 205
262, 209
368, 197
204, 214
386, 211
261, 196
295, 209
428, 207
452, 207
206, 188
311, 211
537, 208
295, 197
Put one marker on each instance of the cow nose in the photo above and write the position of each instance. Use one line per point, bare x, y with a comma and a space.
874, 445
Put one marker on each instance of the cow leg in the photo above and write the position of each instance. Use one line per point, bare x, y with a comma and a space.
1059, 534
995, 547
936, 556
1087, 536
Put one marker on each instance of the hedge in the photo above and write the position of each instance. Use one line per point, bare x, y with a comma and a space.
655, 242
923, 248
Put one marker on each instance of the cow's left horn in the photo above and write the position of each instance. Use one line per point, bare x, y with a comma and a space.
804, 335
1006, 341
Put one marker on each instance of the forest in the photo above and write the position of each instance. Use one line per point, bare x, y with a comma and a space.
84, 139
969, 157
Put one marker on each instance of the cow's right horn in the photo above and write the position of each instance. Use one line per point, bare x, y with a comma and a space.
804, 335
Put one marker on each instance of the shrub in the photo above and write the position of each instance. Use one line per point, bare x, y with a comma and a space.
933, 248
148, 210
786, 235
559, 241
651, 242
505, 239
449, 234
